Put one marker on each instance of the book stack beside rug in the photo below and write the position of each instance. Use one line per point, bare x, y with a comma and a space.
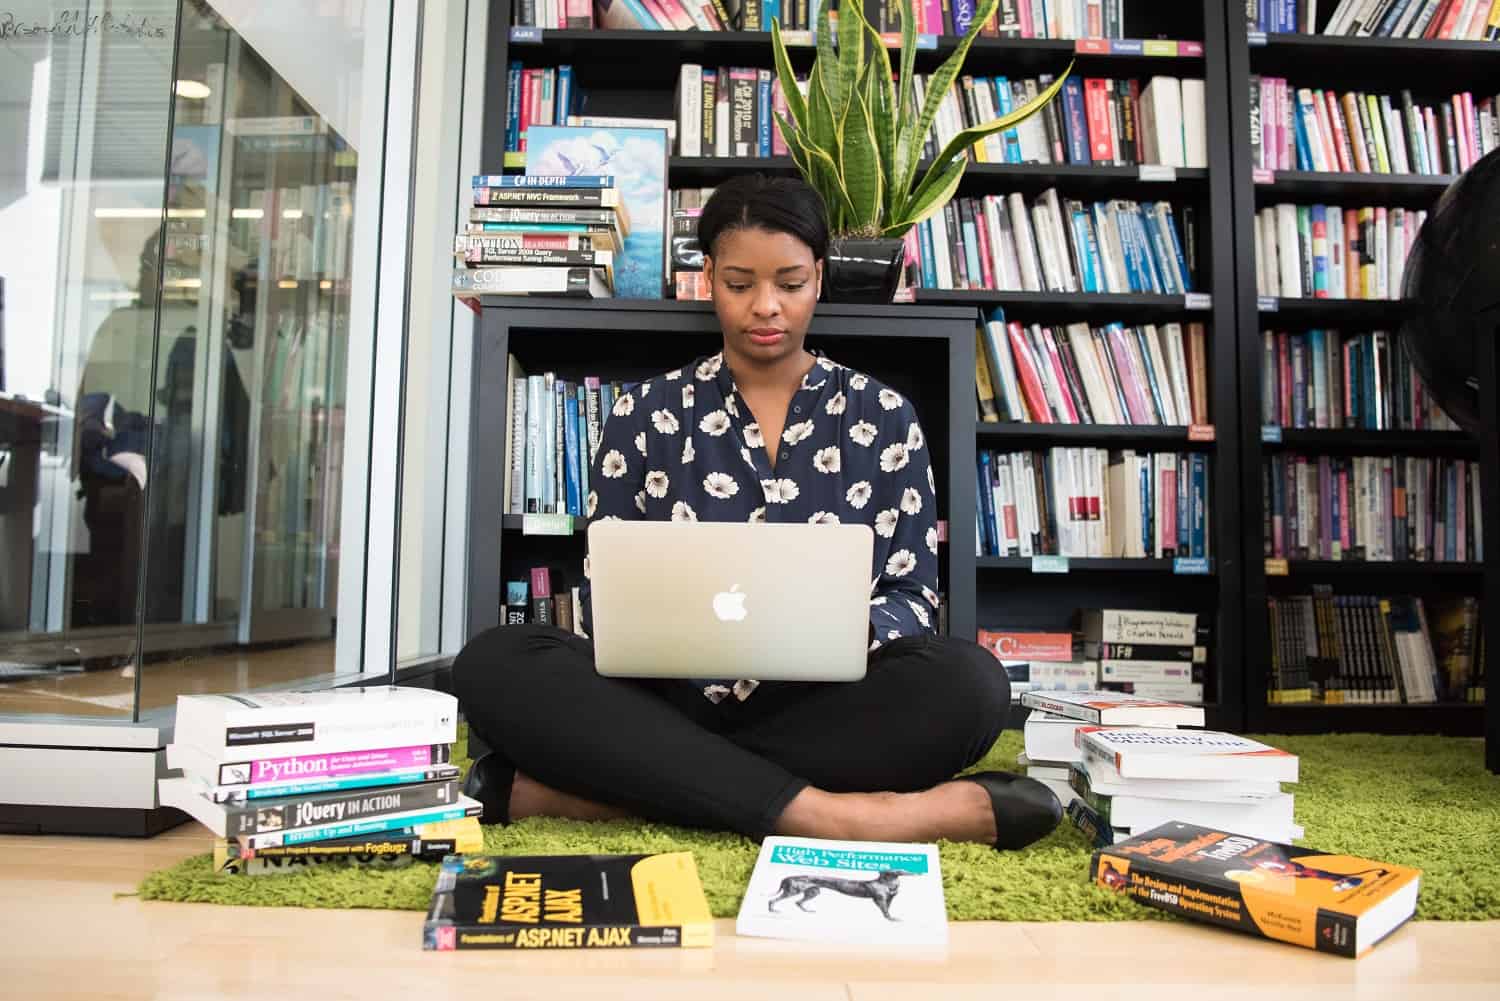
291, 780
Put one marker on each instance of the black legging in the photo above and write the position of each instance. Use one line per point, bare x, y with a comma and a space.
927, 708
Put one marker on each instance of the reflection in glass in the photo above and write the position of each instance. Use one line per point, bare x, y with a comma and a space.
173, 334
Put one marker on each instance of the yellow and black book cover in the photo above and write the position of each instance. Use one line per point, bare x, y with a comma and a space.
1333, 903
568, 902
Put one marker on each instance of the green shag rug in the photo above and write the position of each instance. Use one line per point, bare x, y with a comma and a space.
1419, 801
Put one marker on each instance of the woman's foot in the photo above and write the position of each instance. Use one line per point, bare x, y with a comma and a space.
530, 798
992, 808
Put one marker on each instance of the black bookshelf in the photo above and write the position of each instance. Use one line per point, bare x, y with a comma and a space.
1429, 69
634, 74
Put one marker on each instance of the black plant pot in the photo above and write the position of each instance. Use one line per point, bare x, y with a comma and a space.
863, 270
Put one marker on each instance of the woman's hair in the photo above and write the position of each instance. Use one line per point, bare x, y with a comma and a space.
775, 204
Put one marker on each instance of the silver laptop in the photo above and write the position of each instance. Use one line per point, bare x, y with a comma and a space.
729, 600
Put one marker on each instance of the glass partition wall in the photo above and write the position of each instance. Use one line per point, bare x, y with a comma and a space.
178, 188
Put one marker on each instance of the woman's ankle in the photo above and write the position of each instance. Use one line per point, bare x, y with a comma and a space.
530, 798
955, 814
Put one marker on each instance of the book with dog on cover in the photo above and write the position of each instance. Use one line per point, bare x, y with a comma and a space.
1320, 900
866, 892
568, 902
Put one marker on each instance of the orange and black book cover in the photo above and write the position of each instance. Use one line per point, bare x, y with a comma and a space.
568, 902
1333, 903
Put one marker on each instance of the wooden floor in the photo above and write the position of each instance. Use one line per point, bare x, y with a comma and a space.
65, 934
110, 693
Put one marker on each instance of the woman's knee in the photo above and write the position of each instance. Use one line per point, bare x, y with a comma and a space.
500, 656
977, 685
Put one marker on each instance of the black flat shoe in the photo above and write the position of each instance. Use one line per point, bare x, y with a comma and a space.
1025, 810
489, 781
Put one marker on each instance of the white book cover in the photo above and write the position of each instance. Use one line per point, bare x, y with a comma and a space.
1194, 124
1147, 753
1105, 783
1050, 738
1114, 709
278, 724
861, 892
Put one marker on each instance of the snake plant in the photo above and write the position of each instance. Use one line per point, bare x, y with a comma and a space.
857, 135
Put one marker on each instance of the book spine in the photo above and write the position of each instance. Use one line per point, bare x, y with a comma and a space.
268, 771
541, 596
374, 825
314, 811
446, 937
546, 197
237, 794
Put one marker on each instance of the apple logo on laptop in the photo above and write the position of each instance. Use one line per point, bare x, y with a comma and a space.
729, 605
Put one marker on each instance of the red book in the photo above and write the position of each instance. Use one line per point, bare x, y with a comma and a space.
1055, 360
1340, 137
1031, 381
1284, 377
677, 15
982, 230
1319, 227
528, 86
1450, 19
1096, 106
1166, 503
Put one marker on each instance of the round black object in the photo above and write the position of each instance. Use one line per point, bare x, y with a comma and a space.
1453, 281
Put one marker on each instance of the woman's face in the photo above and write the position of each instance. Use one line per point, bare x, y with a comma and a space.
765, 286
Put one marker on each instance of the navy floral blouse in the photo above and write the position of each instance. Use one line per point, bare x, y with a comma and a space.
683, 446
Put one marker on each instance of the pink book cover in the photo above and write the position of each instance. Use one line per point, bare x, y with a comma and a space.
659, 15
1028, 29
1348, 516
778, 104
528, 86
1469, 123
1055, 361
1130, 375
327, 766
1341, 145
578, 14
931, 22
1461, 513
986, 266
677, 15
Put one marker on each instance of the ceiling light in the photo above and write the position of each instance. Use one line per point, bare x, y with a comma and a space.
192, 90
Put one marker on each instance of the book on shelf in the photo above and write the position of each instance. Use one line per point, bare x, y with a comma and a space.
1092, 502
553, 428
1078, 374
1333, 903
1333, 252
1449, 20
1054, 244
568, 902
1012, 19
1372, 508
1323, 378
864, 892
390, 850
637, 157
1311, 129
1373, 650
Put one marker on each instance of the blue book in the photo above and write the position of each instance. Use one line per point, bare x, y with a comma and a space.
986, 499
1150, 269
763, 98
574, 500
1135, 257
581, 422
770, 10
512, 110
1304, 150
1169, 224
638, 159
1148, 516
1083, 239
929, 266
564, 92
540, 180
963, 15
1184, 506
1161, 252
971, 248
1010, 137
1075, 119
606, 403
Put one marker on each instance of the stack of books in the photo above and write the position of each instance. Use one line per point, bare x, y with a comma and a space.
1131, 767
1051, 730
290, 779
541, 234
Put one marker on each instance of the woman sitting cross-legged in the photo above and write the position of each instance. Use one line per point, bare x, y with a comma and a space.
763, 431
